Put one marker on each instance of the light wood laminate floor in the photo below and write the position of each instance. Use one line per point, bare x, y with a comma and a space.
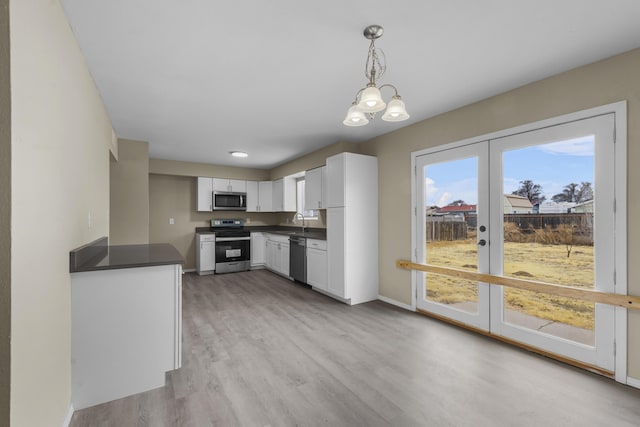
260, 350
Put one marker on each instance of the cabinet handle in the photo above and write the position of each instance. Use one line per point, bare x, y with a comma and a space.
319, 204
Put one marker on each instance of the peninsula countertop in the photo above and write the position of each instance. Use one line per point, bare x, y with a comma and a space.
309, 233
98, 255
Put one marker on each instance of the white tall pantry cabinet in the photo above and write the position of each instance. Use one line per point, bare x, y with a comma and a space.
352, 227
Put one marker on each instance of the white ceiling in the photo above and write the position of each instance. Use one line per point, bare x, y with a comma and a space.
200, 78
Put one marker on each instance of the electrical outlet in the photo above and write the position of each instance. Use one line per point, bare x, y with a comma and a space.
171, 221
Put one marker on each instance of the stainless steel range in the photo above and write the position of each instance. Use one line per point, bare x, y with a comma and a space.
233, 245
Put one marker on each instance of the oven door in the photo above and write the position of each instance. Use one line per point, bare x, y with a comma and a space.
233, 254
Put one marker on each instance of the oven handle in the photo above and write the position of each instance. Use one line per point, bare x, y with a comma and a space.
231, 239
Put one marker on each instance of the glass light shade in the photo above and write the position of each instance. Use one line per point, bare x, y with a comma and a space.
355, 117
371, 101
238, 154
395, 111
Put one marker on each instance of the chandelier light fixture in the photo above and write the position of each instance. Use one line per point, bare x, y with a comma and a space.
369, 99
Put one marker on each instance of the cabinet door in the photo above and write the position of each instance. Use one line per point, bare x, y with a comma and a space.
284, 258
271, 250
258, 249
204, 202
289, 194
207, 256
336, 181
336, 251
265, 196
278, 195
220, 184
317, 268
324, 188
253, 196
313, 189
238, 185
277, 257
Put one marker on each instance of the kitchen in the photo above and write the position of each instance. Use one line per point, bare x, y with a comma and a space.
239, 244
60, 145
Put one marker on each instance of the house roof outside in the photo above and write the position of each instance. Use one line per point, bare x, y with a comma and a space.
458, 209
518, 201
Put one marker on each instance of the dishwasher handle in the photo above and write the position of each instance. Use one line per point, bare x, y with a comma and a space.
300, 241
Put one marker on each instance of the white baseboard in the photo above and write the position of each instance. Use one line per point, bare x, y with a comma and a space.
188, 270
396, 303
67, 419
633, 382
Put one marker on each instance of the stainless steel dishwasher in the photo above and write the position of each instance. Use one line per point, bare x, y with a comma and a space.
298, 258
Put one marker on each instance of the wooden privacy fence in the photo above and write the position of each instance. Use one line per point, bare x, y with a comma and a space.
455, 227
627, 301
441, 230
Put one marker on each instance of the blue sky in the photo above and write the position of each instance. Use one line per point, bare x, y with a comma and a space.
551, 165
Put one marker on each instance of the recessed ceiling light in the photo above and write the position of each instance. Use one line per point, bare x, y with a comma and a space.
238, 154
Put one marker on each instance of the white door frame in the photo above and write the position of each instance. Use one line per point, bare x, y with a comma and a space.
619, 109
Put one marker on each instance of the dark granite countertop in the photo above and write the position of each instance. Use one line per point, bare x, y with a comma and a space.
309, 233
98, 255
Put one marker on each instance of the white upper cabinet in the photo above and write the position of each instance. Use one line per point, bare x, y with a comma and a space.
265, 196
314, 188
336, 181
259, 196
204, 203
231, 185
348, 175
253, 204
284, 194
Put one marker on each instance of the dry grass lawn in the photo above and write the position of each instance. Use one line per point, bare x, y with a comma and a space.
534, 261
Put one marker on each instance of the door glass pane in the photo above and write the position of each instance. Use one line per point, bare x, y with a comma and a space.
548, 235
451, 195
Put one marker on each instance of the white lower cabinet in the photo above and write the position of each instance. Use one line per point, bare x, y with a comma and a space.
277, 254
126, 329
258, 250
317, 264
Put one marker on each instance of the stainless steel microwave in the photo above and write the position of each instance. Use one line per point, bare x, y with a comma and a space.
227, 201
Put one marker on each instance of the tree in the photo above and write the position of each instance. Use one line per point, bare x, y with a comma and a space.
576, 193
531, 191
585, 193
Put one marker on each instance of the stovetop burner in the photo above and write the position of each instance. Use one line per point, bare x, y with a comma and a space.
229, 228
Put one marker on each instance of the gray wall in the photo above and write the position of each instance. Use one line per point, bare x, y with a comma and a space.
5, 215
129, 194
60, 140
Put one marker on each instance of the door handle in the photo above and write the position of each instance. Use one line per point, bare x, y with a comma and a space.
482, 242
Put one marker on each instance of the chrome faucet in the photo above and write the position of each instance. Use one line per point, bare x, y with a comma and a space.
295, 217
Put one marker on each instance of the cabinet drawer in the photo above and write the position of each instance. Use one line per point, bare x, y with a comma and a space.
317, 244
278, 238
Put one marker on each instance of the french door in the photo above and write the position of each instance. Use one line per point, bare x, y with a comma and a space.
536, 205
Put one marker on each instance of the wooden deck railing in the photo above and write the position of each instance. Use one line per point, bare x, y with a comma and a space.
627, 301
